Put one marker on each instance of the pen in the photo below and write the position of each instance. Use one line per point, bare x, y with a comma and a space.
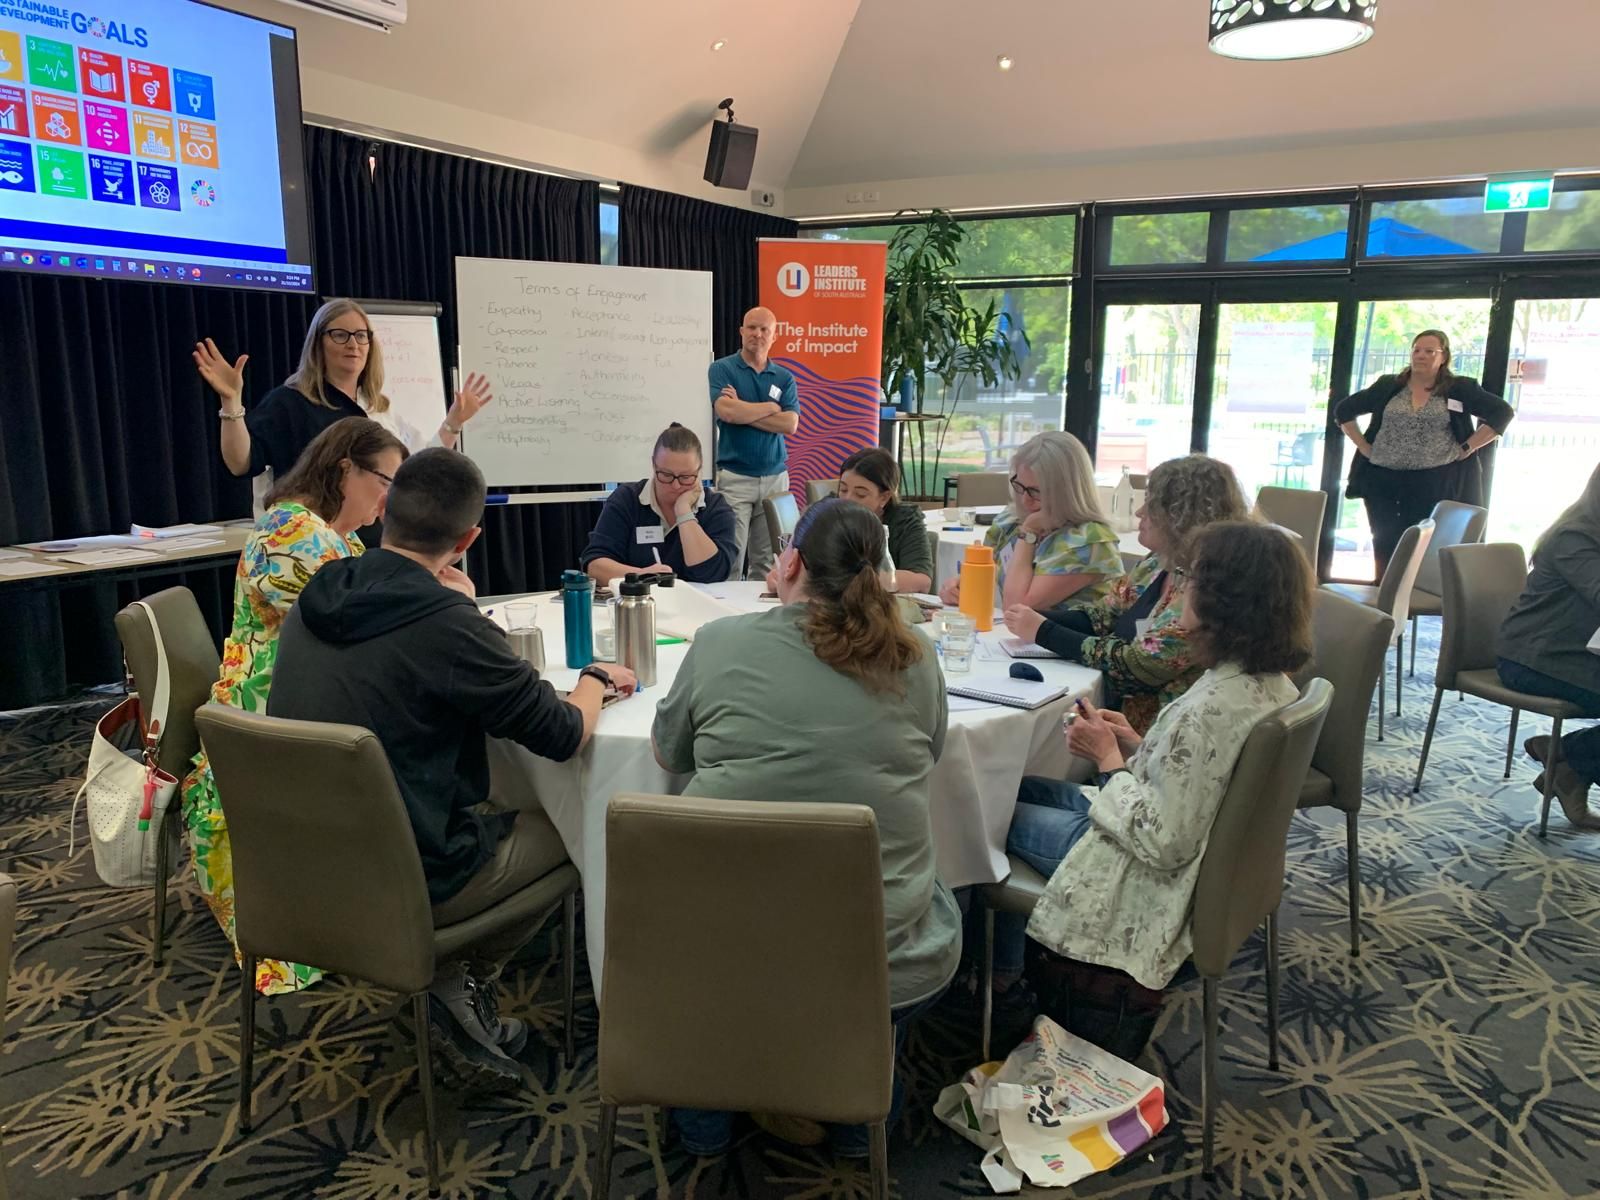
494, 498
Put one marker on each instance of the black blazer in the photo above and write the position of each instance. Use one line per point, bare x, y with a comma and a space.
1476, 403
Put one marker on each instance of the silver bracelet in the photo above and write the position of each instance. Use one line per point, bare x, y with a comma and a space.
453, 430
230, 416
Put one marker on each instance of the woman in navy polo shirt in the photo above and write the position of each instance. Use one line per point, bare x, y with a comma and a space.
666, 522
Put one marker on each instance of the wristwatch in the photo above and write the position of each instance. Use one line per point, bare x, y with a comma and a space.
1030, 537
595, 672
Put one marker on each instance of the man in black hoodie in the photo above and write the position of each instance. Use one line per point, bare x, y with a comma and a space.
393, 641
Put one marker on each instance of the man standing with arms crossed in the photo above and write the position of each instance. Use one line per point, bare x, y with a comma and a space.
756, 408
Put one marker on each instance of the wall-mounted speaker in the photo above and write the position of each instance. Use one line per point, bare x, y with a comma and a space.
731, 154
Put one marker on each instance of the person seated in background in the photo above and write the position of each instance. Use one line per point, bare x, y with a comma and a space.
1055, 544
1123, 855
336, 487
667, 522
1543, 646
871, 479
394, 642
1136, 634
830, 698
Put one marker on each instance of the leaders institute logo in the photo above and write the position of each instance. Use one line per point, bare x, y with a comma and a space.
793, 279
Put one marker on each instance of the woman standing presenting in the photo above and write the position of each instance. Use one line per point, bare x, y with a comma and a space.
1419, 447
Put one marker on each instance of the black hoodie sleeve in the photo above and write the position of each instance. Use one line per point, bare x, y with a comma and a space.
503, 693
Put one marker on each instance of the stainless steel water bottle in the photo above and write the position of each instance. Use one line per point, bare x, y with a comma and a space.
635, 618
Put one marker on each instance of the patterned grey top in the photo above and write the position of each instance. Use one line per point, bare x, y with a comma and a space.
1415, 439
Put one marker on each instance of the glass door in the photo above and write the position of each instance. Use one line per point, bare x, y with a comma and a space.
1146, 386
1553, 445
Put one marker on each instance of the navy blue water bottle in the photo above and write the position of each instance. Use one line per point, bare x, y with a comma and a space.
577, 613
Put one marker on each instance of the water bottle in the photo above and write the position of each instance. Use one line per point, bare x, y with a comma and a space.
636, 628
577, 614
977, 586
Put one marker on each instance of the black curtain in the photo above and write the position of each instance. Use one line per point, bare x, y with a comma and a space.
105, 422
662, 229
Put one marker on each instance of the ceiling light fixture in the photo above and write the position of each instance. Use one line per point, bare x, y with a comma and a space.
1266, 30
718, 44
1004, 62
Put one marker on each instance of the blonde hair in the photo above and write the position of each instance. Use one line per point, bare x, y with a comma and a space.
310, 377
1067, 494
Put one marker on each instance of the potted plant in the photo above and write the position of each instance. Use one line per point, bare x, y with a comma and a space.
931, 331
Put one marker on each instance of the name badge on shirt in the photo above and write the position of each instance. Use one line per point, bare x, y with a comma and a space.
774, 391
649, 535
1454, 406
1141, 627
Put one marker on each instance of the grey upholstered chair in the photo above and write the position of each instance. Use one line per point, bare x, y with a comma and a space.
1481, 583
820, 489
192, 657
709, 1016
980, 488
782, 515
301, 895
1350, 641
8, 933
1393, 596
1297, 509
1454, 524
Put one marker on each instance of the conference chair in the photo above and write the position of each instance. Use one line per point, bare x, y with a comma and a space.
820, 489
1349, 643
8, 931
1241, 875
975, 489
1481, 583
782, 514
699, 1009
191, 656
1454, 524
327, 873
1299, 510
1393, 596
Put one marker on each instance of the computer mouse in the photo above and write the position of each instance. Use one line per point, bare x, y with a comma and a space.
1022, 670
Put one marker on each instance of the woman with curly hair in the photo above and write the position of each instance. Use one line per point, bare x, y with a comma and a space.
829, 698
1124, 854
1135, 636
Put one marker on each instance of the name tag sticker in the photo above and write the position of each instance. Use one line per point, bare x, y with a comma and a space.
1142, 627
649, 535
774, 391
1454, 406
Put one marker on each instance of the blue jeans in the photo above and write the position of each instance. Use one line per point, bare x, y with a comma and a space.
707, 1131
1051, 816
1581, 750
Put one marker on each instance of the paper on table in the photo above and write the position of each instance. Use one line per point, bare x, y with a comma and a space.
29, 567
188, 543
172, 531
13, 554
107, 558
680, 611
1594, 643
63, 545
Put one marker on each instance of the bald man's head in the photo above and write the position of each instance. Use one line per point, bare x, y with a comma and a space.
756, 334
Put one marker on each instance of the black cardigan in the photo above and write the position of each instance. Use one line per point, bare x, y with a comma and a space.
1475, 402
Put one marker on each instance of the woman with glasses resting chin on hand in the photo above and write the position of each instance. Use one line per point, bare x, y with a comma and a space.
340, 375
1054, 544
665, 523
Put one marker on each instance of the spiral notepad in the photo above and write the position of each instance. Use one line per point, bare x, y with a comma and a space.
1013, 693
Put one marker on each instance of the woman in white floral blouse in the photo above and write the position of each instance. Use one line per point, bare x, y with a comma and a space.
1123, 856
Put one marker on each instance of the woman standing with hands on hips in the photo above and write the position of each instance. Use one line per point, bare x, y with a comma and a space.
340, 375
1419, 446
1054, 543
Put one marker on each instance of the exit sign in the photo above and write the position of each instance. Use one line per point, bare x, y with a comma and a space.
1518, 195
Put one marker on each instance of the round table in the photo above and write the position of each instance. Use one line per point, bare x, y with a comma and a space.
988, 748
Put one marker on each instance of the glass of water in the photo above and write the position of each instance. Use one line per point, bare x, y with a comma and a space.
957, 640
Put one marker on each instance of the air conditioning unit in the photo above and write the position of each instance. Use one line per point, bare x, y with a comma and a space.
373, 14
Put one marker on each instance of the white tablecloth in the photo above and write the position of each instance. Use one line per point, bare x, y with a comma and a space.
987, 751
953, 544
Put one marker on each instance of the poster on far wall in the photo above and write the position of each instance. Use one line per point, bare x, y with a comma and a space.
828, 298
1271, 366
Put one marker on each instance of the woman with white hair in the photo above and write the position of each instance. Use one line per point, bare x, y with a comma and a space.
1055, 544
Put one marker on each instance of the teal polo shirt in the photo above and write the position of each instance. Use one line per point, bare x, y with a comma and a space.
744, 449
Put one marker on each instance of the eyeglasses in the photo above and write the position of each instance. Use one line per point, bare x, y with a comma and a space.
666, 478
1022, 489
388, 480
342, 337
786, 540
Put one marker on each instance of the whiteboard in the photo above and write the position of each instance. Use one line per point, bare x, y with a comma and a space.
413, 375
588, 365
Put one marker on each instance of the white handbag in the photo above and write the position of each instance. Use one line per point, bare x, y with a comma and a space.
128, 795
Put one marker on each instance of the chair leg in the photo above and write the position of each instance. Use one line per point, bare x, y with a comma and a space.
987, 982
878, 1135
608, 1137
1353, 862
158, 930
1511, 740
1427, 739
1550, 774
247, 1037
1208, 1074
1382, 701
1413, 643
1272, 990
1399, 680
569, 976
419, 1017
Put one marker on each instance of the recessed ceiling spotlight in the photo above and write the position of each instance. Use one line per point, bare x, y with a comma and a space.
718, 44
1004, 62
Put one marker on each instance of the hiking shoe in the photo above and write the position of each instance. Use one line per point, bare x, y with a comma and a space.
510, 1034
462, 1037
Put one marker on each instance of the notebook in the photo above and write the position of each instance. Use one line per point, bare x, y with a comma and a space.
1002, 689
1017, 648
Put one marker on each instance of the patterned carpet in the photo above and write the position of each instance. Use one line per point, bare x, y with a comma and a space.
1454, 1058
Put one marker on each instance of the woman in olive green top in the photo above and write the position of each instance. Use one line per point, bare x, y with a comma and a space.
829, 698
871, 479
